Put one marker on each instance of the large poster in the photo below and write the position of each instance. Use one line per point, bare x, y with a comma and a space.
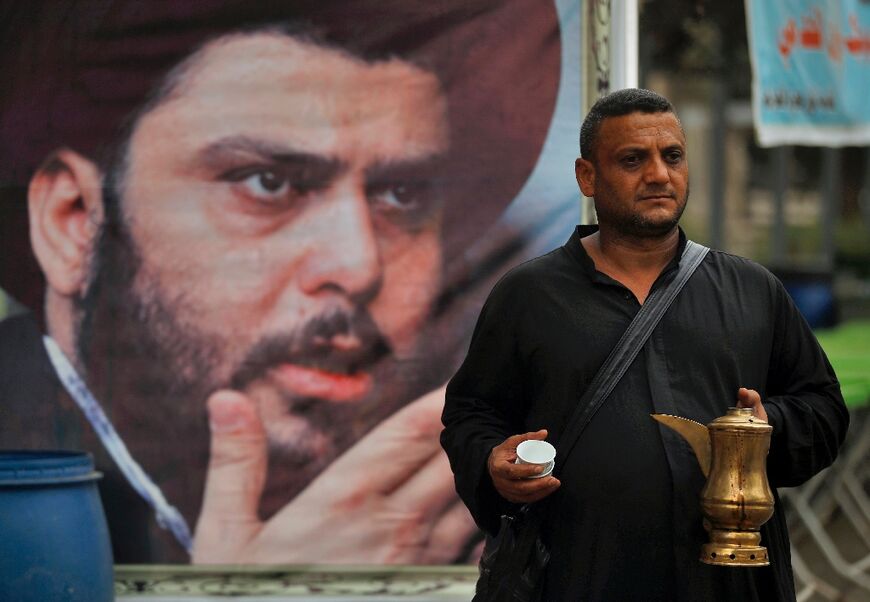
253, 238
811, 71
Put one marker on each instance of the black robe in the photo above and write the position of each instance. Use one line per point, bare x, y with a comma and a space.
626, 523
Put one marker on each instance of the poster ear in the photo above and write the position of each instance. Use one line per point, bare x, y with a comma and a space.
65, 206
584, 171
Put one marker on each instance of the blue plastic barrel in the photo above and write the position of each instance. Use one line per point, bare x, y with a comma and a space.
54, 542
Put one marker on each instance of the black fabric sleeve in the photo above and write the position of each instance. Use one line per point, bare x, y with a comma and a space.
804, 403
483, 406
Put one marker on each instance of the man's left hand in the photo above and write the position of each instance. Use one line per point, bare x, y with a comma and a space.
749, 398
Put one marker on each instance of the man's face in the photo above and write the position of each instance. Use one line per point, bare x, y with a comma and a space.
641, 173
286, 233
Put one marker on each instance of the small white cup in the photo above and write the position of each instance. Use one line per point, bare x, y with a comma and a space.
539, 453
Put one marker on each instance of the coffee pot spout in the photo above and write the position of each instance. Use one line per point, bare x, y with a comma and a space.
695, 433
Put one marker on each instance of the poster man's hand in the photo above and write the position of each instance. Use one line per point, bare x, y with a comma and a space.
512, 480
388, 499
749, 398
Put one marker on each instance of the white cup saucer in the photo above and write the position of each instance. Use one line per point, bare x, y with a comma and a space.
547, 472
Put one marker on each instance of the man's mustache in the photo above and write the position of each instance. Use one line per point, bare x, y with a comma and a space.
312, 345
658, 192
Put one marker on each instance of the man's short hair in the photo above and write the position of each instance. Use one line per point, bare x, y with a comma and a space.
617, 104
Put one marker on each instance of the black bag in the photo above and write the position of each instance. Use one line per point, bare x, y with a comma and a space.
513, 562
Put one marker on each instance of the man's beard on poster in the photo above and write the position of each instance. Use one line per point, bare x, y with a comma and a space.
310, 346
150, 369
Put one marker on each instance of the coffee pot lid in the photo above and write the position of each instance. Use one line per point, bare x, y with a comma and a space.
740, 418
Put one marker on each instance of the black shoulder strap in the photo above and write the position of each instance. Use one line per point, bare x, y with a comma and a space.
614, 367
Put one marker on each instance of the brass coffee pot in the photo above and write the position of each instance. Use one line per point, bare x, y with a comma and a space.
737, 500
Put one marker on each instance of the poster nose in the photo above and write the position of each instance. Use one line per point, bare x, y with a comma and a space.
348, 259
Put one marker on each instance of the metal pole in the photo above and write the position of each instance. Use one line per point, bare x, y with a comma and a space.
717, 162
831, 199
623, 44
781, 156
864, 194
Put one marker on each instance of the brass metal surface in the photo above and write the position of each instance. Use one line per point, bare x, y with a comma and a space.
736, 500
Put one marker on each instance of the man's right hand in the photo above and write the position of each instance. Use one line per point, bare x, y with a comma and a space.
512, 480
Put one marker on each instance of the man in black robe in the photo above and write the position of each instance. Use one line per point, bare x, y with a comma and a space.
624, 520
